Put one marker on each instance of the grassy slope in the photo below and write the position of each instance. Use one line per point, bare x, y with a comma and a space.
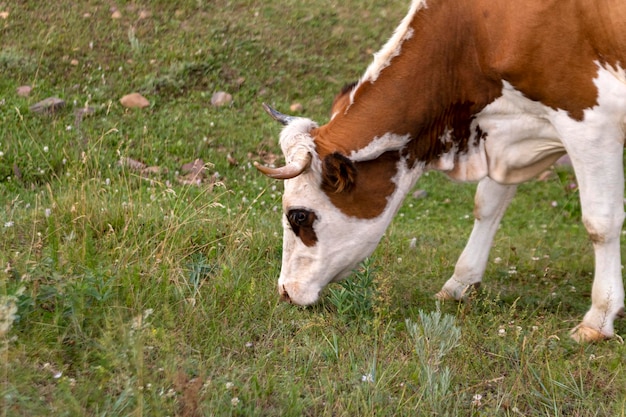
141, 296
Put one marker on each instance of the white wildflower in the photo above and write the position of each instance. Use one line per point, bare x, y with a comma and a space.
367, 378
229, 385
234, 401
8, 224
8, 308
476, 400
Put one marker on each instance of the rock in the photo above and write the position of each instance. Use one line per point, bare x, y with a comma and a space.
545, 175
48, 106
74, 62
133, 164
221, 98
296, 108
116, 15
24, 90
231, 160
419, 194
194, 167
144, 14
134, 100
4, 15
83, 112
194, 173
564, 161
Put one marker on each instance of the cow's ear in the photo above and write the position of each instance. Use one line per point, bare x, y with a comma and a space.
338, 173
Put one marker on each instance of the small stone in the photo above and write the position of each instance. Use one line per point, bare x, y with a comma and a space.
221, 98
133, 164
564, 161
144, 14
82, 112
419, 194
296, 108
134, 100
24, 90
48, 106
231, 160
4, 15
74, 62
116, 15
193, 167
545, 175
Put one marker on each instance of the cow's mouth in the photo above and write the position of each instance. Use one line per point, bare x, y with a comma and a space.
284, 295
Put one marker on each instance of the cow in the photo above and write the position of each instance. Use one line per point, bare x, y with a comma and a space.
490, 91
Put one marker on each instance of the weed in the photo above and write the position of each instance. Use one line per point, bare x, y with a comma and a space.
354, 298
435, 336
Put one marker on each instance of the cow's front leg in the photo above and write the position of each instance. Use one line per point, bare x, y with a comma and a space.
490, 203
601, 183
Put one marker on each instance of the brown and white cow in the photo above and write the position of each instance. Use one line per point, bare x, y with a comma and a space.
484, 90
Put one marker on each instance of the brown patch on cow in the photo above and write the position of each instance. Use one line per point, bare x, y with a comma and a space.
338, 173
373, 185
453, 65
552, 60
301, 222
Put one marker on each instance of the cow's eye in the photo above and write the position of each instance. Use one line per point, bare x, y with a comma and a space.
299, 217
301, 222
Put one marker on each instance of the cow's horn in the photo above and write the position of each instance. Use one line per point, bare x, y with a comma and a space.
278, 116
296, 167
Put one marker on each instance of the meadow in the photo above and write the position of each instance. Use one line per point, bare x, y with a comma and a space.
129, 288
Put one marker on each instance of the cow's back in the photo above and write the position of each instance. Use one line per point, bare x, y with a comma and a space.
550, 50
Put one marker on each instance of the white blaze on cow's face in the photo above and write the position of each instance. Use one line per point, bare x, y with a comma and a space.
320, 243
323, 243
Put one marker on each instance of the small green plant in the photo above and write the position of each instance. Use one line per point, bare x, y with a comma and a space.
434, 336
354, 298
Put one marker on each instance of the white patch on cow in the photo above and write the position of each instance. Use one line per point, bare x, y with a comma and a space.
391, 49
342, 241
296, 135
595, 146
521, 142
617, 72
524, 136
380, 145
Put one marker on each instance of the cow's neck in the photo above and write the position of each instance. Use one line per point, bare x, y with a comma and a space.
416, 94
411, 108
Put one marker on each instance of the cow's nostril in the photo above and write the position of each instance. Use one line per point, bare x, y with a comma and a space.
284, 295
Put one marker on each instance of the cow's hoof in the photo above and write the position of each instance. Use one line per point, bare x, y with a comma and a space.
444, 295
585, 334
457, 294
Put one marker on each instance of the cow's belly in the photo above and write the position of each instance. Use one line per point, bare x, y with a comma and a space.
521, 142
519, 148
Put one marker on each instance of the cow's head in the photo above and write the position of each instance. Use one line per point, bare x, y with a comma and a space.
321, 242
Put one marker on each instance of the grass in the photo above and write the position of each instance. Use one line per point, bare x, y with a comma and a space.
128, 294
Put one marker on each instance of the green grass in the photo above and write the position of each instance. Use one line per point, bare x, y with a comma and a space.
131, 294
